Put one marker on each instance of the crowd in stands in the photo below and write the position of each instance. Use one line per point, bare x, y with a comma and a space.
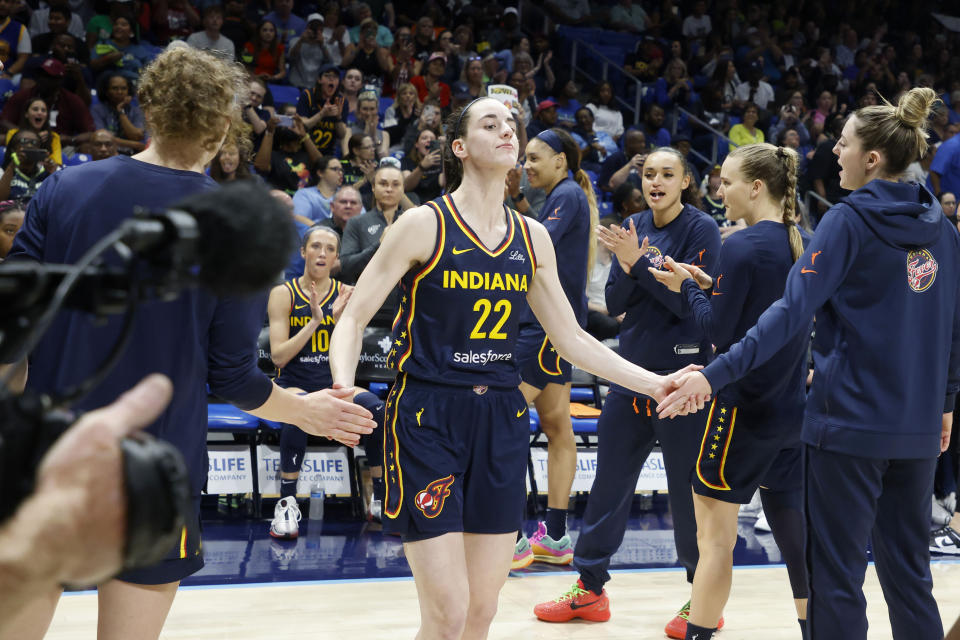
338, 88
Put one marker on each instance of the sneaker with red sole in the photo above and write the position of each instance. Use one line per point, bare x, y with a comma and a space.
575, 603
677, 628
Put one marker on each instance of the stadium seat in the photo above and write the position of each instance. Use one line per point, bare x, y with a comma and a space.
284, 94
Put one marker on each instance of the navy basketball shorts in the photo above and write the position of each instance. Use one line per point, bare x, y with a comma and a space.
183, 559
454, 459
540, 364
739, 453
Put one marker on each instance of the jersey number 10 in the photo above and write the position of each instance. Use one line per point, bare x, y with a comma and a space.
320, 341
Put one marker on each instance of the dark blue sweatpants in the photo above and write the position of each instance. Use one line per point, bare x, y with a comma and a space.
627, 430
849, 501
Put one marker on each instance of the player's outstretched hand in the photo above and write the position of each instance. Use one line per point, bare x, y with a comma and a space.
690, 385
332, 414
946, 428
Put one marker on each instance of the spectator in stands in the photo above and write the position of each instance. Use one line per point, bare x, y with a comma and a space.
403, 64
712, 201
308, 53
368, 123
652, 126
525, 89
938, 129
117, 113
346, 204
314, 202
11, 219
789, 117
791, 138
681, 142
74, 123
628, 16
600, 324
574, 12
25, 165
102, 145
77, 75
173, 20
254, 112
948, 202
755, 90
542, 72
359, 165
350, 88
236, 25
323, 112
826, 105
945, 169
471, 78
675, 88
747, 132
54, 21
362, 234
430, 118
627, 199
595, 146
422, 168
424, 37
429, 85
35, 118
14, 41
567, 105
286, 162
370, 58
288, 25
545, 118
607, 117
919, 170
400, 115
232, 162
697, 26
383, 36
121, 51
645, 62
823, 172
264, 54
210, 39
625, 165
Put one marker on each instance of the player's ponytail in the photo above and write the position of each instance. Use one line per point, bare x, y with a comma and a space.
776, 167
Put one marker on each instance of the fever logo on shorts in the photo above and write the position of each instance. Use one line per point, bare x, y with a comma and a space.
430, 500
655, 257
921, 270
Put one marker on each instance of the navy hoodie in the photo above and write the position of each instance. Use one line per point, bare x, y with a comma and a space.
882, 275
659, 332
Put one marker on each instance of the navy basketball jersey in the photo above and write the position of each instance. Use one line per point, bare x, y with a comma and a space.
310, 369
459, 313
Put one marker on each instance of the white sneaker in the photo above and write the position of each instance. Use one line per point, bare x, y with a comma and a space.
752, 508
939, 516
949, 502
946, 541
286, 515
762, 524
374, 510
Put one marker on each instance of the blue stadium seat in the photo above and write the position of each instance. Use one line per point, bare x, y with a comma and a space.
226, 417
284, 94
384, 105
582, 394
379, 389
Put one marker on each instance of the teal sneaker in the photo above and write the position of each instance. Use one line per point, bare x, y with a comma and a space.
522, 554
546, 549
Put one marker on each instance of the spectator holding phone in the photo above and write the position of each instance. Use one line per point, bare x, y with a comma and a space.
35, 117
322, 110
25, 165
286, 154
308, 53
422, 168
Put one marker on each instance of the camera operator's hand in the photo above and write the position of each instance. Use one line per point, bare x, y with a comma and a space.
73, 527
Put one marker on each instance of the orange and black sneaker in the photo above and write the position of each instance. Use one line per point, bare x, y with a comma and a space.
677, 628
575, 603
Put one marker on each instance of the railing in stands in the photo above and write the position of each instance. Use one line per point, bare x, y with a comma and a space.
537, 21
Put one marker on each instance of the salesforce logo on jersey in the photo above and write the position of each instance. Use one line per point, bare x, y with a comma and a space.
229, 469
481, 357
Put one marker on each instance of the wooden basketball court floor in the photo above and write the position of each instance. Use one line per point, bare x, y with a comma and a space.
641, 600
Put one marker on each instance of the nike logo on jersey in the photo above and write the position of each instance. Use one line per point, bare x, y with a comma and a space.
813, 257
457, 252
419, 413
521, 412
301, 306
553, 217
716, 285
805, 270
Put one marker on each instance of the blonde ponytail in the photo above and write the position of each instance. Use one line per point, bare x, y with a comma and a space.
584, 181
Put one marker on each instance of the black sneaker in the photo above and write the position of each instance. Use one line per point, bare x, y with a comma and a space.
945, 541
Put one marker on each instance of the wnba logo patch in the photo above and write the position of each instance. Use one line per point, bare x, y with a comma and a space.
921, 270
655, 257
430, 500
